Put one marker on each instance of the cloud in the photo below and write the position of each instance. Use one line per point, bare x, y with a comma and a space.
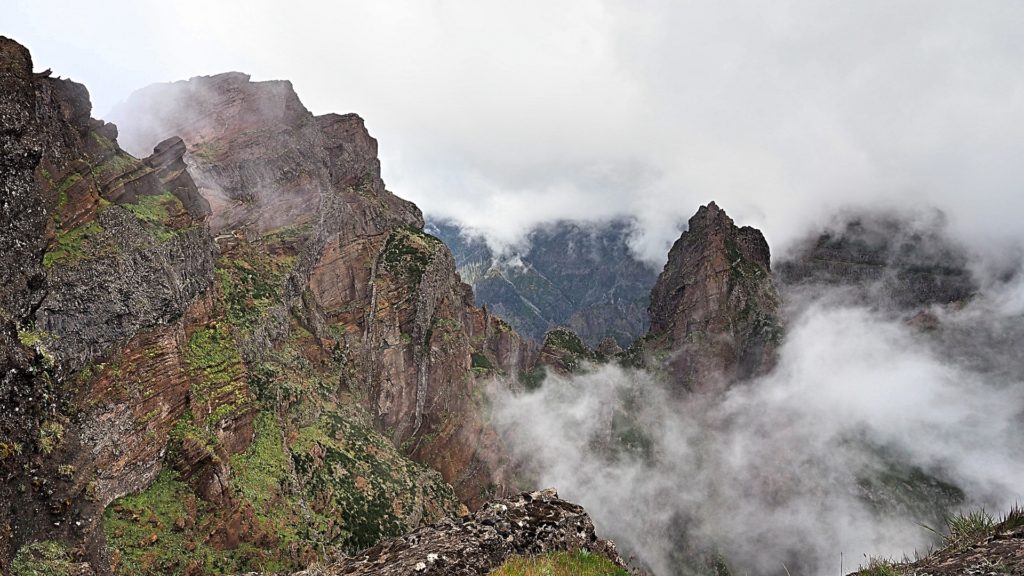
505, 115
793, 469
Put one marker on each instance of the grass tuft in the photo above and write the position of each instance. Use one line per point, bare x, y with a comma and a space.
880, 567
581, 563
969, 526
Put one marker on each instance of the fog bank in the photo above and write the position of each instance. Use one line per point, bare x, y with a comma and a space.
799, 467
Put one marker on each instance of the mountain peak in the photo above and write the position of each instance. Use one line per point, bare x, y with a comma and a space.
714, 307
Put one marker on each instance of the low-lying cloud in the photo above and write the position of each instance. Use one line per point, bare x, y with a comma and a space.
797, 470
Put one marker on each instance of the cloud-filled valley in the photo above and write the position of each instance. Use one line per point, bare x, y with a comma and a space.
822, 458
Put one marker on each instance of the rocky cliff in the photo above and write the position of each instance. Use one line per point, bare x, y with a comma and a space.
714, 310
366, 277
223, 356
109, 255
529, 524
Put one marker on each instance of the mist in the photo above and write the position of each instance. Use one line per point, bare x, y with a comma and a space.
800, 470
594, 110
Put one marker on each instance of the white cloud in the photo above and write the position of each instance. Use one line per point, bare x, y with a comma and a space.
774, 472
503, 115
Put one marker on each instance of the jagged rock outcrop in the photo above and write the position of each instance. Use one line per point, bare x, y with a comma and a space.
582, 275
882, 260
365, 275
22, 212
110, 260
714, 309
528, 524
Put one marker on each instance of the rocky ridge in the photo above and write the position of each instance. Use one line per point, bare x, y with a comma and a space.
883, 260
528, 524
118, 256
366, 276
222, 357
714, 310
243, 352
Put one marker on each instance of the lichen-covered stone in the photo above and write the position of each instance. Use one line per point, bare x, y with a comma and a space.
528, 524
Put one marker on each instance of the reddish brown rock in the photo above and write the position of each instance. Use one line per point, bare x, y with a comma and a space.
92, 338
378, 287
525, 525
136, 346
714, 309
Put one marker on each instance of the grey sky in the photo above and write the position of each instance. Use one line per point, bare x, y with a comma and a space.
506, 114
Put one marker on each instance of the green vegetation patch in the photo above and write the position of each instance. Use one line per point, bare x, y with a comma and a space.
51, 434
102, 141
62, 193
565, 339
32, 338
250, 284
967, 527
117, 165
533, 379
362, 489
185, 431
156, 209
409, 251
72, 245
480, 360
155, 532
288, 235
46, 558
316, 480
580, 563
213, 359
261, 472
136, 527
879, 567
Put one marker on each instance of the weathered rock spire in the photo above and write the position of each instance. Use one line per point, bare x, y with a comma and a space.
714, 309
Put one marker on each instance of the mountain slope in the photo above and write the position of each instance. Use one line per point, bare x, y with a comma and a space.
222, 357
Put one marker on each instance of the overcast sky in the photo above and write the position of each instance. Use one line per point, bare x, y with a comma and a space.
507, 114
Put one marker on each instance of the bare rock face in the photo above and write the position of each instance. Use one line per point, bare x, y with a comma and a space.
22, 214
714, 309
528, 524
248, 146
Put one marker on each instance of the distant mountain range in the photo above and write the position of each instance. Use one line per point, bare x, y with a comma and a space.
581, 275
